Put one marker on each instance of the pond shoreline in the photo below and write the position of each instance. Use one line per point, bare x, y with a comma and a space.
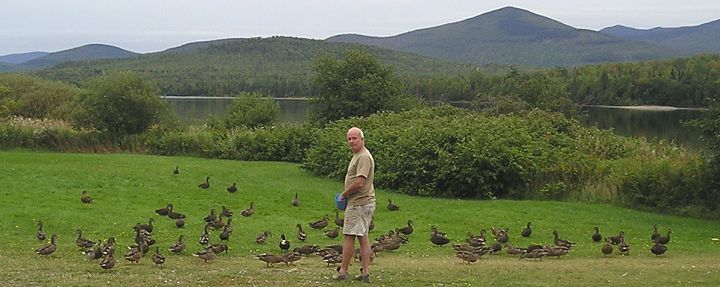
647, 108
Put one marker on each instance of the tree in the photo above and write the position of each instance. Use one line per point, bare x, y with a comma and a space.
121, 103
252, 110
355, 86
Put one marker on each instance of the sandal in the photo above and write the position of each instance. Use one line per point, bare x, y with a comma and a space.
340, 277
364, 278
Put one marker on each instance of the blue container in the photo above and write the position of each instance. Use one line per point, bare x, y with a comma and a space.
340, 203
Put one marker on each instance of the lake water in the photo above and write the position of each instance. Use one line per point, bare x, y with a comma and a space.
642, 123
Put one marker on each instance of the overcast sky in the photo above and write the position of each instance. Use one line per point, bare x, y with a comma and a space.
154, 25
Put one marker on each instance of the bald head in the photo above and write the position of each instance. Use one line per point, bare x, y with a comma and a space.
355, 139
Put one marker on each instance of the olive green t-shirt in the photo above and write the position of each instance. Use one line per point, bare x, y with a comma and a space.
361, 164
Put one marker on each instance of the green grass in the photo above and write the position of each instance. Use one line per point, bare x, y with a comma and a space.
128, 188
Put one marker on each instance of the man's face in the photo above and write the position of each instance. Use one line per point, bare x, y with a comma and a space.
355, 142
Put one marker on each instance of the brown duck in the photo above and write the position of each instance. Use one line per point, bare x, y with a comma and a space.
407, 230
664, 239
527, 231
596, 237
270, 259
85, 198
82, 242
301, 235
655, 234
174, 215
148, 227
232, 188
320, 224
41, 235
658, 249
391, 206
438, 238
48, 248
212, 217
165, 210
607, 249
206, 184
332, 234
262, 237
296, 200
467, 256
109, 261
561, 242
205, 237
226, 212
249, 211
206, 254
158, 258
178, 246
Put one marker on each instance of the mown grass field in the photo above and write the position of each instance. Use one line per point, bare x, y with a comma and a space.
128, 188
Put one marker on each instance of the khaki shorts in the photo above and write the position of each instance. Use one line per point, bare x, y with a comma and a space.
357, 219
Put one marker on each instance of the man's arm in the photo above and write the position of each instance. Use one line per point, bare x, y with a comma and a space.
354, 187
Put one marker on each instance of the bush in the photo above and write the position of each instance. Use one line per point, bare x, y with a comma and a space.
251, 110
286, 143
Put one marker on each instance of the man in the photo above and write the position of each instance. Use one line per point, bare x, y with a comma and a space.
360, 195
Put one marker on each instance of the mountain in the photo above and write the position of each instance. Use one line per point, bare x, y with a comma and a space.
704, 38
21, 57
280, 66
82, 53
515, 36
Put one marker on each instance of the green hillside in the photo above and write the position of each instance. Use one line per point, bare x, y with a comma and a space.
280, 66
516, 37
126, 189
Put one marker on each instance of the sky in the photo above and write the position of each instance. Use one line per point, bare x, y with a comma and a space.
144, 26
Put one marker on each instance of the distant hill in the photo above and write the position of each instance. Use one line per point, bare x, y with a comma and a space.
515, 36
692, 39
82, 53
280, 66
20, 58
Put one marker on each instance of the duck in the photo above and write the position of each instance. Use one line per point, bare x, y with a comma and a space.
85, 198
205, 237
332, 234
206, 254
562, 242
248, 211
178, 246
165, 210
135, 253
307, 249
180, 222
41, 235
596, 237
291, 257
301, 235
476, 240
658, 249
82, 242
176, 170
332, 258
226, 212
556, 251
467, 256
270, 259
262, 237
148, 227
206, 184
391, 206
536, 253
339, 221
232, 188
407, 230
515, 251
217, 224
174, 215
211, 217
109, 261
502, 237
227, 231
617, 238
109, 246
624, 248
527, 231
284, 243
664, 239
438, 238
296, 200
158, 258
219, 248
48, 248
655, 234
95, 253
320, 224
607, 249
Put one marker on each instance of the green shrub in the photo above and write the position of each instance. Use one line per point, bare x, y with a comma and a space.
274, 143
251, 110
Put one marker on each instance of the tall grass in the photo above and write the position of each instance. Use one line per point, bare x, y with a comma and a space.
128, 188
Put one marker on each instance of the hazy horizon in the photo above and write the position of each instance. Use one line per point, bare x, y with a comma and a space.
151, 26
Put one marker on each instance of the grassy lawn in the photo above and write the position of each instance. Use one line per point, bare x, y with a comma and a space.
128, 188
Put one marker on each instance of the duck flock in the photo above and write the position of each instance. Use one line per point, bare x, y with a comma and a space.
473, 248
